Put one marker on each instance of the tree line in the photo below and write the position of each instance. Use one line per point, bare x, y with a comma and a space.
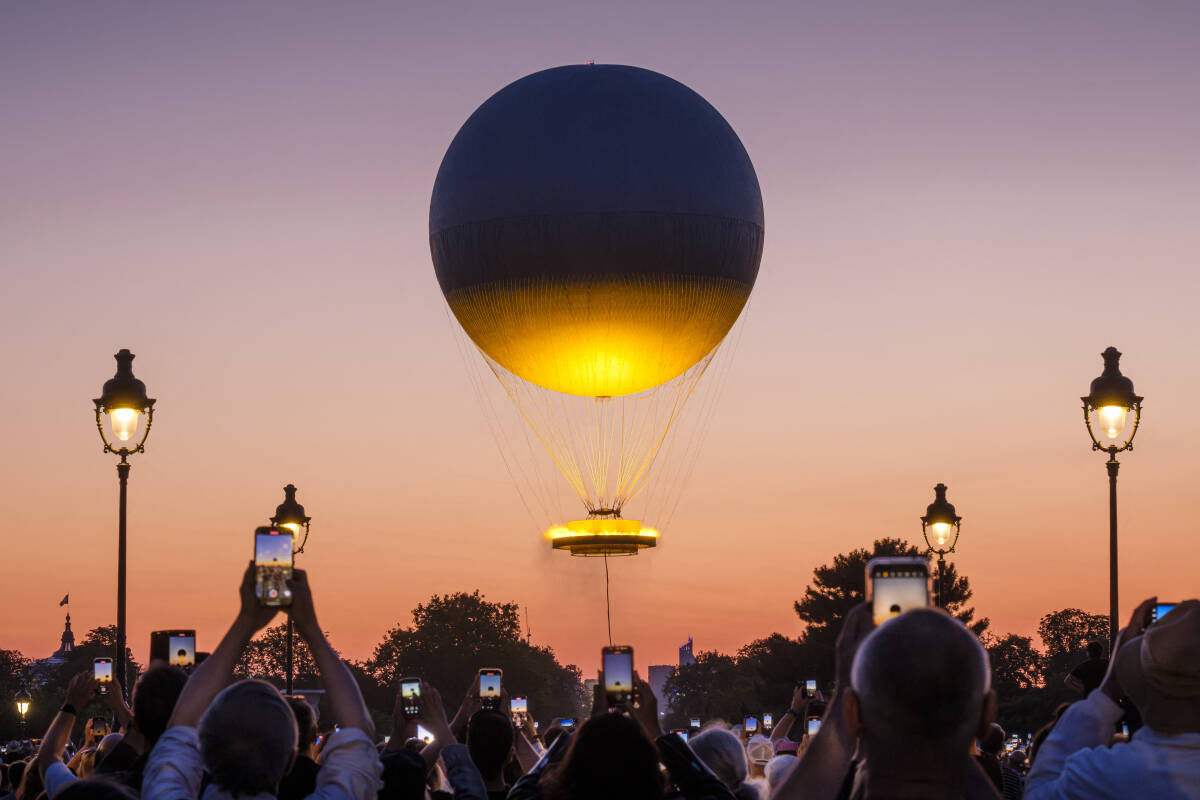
451, 636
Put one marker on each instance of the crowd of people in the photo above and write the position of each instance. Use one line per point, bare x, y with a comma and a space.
909, 716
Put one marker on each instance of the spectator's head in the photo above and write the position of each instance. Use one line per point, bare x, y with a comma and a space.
154, 699
1160, 671
306, 723
248, 738
1095, 650
608, 757
992, 740
1016, 759
490, 742
920, 685
778, 768
722, 751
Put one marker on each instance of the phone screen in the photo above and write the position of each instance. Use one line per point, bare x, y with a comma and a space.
489, 688
682, 734
423, 734
273, 566
566, 724
898, 587
1161, 610
618, 674
750, 724
410, 696
694, 722
814, 725
181, 649
810, 687
519, 705
768, 720
102, 668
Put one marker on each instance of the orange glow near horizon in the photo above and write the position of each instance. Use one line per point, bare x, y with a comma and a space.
951, 193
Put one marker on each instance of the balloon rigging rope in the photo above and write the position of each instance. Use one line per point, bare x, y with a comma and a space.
607, 601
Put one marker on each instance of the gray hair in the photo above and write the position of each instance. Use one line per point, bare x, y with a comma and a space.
722, 751
248, 736
921, 678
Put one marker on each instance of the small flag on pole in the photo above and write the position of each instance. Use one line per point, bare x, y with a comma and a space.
66, 599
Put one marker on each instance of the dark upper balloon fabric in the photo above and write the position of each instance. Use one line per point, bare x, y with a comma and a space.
596, 229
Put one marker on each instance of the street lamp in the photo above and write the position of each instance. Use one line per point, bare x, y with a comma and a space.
1108, 405
23, 702
941, 526
123, 399
290, 514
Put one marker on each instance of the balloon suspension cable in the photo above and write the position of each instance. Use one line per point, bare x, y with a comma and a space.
607, 600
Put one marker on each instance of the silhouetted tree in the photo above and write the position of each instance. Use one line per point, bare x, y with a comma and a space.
838, 587
266, 657
715, 687
453, 636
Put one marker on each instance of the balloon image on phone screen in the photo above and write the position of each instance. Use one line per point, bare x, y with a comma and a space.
102, 669
768, 721
181, 649
617, 663
750, 724
410, 697
489, 688
273, 566
897, 584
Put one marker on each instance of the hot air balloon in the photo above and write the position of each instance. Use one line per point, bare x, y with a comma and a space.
596, 231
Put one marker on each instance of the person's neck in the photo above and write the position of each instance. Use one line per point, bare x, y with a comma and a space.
905, 775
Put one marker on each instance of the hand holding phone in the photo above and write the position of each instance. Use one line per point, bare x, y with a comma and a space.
617, 665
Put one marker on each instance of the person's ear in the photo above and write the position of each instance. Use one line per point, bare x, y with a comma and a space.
987, 714
852, 710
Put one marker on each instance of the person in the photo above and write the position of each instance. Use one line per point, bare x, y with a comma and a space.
301, 779
758, 752
154, 697
245, 736
1012, 776
777, 769
911, 695
1158, 668
722, 752
1088, 675
491, 743
991, 750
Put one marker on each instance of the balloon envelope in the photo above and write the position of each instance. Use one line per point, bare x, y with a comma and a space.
596, 229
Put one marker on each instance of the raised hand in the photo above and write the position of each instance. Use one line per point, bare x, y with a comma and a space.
304, 614
1138, 620
251, 610
82, 689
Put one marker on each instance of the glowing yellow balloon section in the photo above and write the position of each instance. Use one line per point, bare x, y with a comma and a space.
602, 537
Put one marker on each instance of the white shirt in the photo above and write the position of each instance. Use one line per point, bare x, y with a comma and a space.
1076, 763
350, 768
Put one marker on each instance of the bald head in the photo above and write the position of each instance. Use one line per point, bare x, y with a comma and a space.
922, 679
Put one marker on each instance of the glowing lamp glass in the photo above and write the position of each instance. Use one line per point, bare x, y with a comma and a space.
23, 707
294, 527
1112, 420
942, 533
124, 422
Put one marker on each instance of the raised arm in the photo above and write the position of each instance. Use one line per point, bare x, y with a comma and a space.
823, 766
210, 677
794, 712
79, 692
340, 686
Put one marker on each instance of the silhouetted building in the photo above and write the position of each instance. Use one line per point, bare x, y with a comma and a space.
65, 647
685, 653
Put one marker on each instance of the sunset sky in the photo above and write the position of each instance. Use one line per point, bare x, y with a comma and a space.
965, 204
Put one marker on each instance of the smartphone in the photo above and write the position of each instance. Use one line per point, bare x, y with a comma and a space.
1125, 729
102, 668
519, 705
682, 734
750, 724
896, 584
567, 724
694, 722
423, 734
813, 725
617, 664
768, 721
273, 566
1160, 611
489, 688
410, 697
181, 649
810, 688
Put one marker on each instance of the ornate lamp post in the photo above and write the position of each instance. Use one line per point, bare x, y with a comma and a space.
1106, 407
123, 400
23, 703
941, 526
290, 514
